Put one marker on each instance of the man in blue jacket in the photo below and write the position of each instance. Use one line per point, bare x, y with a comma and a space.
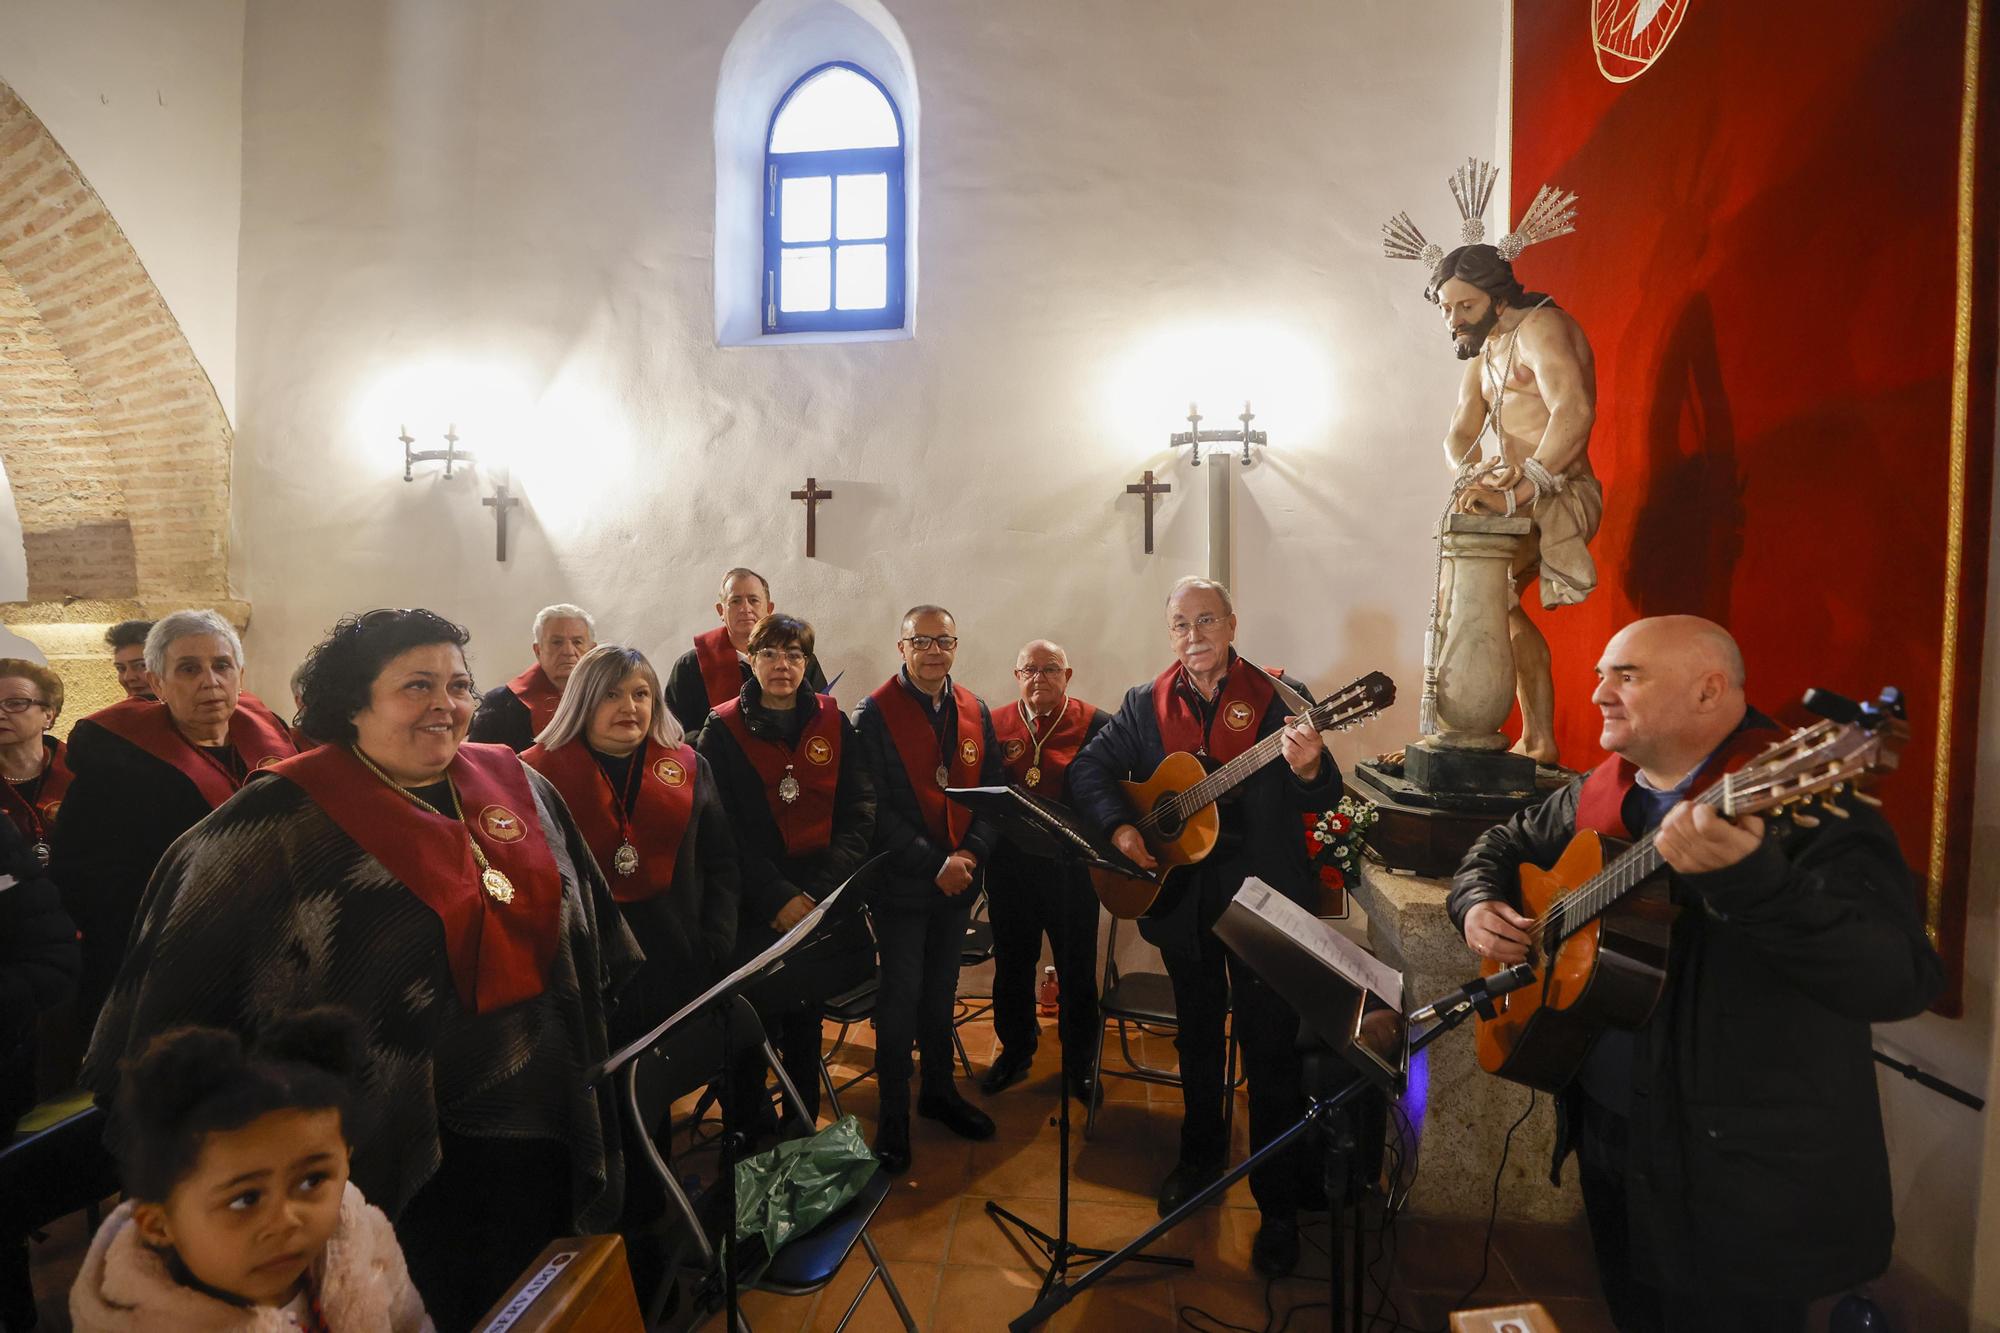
1215, 704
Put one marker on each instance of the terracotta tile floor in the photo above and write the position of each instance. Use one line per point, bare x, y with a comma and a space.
958, 1269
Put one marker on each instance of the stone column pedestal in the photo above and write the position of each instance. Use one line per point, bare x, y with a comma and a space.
1461, 1112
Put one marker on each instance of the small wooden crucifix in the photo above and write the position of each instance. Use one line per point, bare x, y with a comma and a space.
812, 495
1149, 488
500, 502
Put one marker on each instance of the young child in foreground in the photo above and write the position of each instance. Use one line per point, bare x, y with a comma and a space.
239, 1214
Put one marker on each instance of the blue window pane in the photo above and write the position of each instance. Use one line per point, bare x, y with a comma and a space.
864, 208
803, 280
863, 277
805, 208
835, 108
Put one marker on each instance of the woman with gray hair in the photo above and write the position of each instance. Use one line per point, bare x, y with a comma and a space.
648, 809
144, 772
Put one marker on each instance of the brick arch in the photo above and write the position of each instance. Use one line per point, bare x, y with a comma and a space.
113, 438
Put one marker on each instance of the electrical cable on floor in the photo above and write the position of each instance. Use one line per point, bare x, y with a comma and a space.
1493, 1214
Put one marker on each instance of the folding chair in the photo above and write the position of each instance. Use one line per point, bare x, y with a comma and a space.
977, 949
1144, 1000
678, 1065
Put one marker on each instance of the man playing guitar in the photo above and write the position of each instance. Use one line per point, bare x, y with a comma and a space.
1215, 704
1731, 1149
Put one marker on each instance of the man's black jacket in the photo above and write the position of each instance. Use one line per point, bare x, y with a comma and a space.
1265, 809
502, 719
909, 880
1756, 1158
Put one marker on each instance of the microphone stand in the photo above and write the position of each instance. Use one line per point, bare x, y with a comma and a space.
1450, 1013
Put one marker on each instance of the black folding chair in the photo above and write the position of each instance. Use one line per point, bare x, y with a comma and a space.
977, 949
1144, 1000
681, 1063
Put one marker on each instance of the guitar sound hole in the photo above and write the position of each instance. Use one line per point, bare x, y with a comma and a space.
1167, 824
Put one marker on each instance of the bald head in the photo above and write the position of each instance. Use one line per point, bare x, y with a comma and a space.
1670, 689
1041, 650
1042, 672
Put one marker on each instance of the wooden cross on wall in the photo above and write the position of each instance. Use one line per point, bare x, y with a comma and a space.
812, 495
1149, 488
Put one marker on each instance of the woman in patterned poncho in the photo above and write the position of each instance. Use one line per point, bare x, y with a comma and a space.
441, 892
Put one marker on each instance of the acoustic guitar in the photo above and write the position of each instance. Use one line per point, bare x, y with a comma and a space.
1603, 916
1179, 820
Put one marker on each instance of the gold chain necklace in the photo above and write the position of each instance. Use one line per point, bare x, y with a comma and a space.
498, 887
1034, 773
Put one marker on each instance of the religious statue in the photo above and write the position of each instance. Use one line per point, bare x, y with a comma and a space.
1530, 380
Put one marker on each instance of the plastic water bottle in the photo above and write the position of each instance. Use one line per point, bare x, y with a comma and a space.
1049, 993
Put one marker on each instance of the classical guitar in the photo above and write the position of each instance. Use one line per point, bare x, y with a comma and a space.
1178, 819
1603, 917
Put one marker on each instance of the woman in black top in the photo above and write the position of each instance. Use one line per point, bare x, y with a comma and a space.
803, 811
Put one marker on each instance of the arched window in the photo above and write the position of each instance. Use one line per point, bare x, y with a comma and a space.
833, 205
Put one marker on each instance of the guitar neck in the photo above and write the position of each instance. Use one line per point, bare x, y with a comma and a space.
1232, 774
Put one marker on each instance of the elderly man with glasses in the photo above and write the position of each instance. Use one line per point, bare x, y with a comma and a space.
1040, 734
921, 732
1215, 704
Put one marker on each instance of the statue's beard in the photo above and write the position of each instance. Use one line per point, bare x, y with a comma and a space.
1467, 339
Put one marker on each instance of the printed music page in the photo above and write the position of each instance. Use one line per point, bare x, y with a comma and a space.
1361, 968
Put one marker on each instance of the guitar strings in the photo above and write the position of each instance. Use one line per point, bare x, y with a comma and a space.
1204, 793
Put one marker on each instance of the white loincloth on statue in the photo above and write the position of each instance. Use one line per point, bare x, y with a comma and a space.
1567, 521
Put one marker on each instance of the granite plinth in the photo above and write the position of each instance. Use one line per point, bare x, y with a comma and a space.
1461, 1111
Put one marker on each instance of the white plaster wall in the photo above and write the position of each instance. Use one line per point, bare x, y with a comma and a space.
1125, 204
147, 97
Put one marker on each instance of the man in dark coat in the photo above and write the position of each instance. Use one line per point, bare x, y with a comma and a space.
1213, 703
514, 714
921, 733
1731, 1150
712, 672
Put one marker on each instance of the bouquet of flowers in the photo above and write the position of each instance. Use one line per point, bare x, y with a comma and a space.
1334, 839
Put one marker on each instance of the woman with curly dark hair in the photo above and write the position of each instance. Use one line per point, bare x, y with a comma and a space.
440, 891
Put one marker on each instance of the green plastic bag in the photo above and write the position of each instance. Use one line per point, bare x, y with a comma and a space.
788, 1190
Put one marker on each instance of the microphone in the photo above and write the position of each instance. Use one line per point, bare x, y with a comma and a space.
1479, 990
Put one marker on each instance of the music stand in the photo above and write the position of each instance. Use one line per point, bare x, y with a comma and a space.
1336, 988
1044, 828
843, 900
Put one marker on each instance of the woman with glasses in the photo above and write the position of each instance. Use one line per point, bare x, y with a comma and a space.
440, 892
33, 762
921, 733
146, 771
803, 811
648, 809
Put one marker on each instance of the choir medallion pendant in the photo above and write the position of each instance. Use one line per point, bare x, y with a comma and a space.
943, 777
626, 859
498, 887
788, 789
41, 851
1034, 776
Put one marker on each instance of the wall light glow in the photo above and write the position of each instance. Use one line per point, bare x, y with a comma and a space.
486, 401
1219, 364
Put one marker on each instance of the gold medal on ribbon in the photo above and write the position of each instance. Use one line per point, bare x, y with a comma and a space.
625, 860
1034, 776
943, 777
498, 887
788, 788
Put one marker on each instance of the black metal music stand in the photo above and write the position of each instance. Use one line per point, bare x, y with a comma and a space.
1341, 1006
1043, 828
715, 1002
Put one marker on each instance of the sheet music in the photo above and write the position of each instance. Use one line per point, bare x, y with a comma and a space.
1361, 968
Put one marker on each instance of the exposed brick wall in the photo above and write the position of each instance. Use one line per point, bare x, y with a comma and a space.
113, 438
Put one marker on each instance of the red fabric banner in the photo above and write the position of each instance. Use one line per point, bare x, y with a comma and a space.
257, 735
916, 745
806, 821
659, 814
534, 689
1238, 712
37, 820
1060, 741
721, 668
1784, 262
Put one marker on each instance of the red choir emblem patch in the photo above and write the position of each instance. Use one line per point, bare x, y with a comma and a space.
49, 808
670, 771
268, 760
502, 824
1630, 34
1237, 716
968, 753
819, 751
1015, 749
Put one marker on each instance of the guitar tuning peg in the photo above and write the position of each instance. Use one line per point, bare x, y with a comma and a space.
1804, 820
1835, 810
1866, 799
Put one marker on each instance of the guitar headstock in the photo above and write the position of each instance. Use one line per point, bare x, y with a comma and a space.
1802, 775
1355, 703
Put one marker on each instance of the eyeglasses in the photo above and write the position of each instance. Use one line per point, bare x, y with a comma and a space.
20, 703
923, 643
772, 656
1180, 629
1029, 673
